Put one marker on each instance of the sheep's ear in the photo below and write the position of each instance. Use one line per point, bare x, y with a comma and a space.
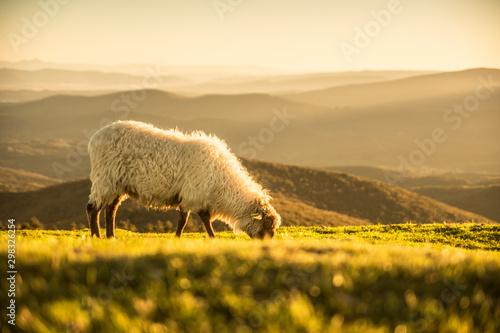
256, 216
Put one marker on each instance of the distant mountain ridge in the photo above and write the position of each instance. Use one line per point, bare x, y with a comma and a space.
404, 90
315, 135
52, 78
138, 68
58, 79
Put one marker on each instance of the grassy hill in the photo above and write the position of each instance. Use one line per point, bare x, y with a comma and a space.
422, 178
358, 279
352, 195
39, 155
63, 207
12, 180
477, 193
303, 196
484, 200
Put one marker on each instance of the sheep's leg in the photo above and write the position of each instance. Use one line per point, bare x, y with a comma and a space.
93, 217
205, 217
110, 217
183, 217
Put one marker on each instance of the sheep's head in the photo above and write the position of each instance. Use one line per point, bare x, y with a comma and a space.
263, 222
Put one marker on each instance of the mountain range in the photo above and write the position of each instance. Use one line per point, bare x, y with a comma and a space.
350, 148
389, 133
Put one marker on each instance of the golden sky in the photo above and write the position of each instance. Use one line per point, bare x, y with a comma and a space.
315, 35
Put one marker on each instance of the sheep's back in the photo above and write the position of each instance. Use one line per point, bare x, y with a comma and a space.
164, 168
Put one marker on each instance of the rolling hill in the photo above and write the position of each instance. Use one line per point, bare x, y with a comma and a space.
67, 117
351, 195
315, 135
281, 84
55, 130
424, 178
10, 97
474, 192
303, 196
406, 90
484, 200
33, 76
12, 180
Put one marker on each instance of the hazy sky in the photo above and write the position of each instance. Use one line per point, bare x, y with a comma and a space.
319, 35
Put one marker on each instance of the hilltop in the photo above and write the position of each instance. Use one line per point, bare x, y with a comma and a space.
419, 88
484, 200
474, 192
12, 180
354, 196
303, 196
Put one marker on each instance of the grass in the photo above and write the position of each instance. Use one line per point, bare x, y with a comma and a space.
400, 278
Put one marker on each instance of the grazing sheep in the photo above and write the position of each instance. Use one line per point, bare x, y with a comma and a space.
169, 169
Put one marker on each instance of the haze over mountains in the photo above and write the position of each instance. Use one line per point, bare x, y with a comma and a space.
383, 120
18, 80
379, 124
419, 88
200, 72
63, 80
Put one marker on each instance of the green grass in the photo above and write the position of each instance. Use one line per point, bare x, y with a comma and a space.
403, 278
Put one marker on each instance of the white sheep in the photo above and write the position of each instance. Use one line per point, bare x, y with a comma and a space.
169, 169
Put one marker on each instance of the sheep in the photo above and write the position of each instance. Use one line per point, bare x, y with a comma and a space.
166, 169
